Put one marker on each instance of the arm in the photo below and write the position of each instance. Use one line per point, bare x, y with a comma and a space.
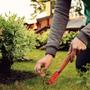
60, 20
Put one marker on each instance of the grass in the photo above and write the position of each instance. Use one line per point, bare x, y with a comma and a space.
22, 76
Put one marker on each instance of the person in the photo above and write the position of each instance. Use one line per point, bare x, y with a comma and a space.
80, 43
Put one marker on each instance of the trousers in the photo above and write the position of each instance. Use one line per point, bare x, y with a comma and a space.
82, 60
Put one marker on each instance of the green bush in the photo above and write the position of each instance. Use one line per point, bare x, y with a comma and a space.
66, 39
42, 38
64, 44
25, 43
15, 39
15, 36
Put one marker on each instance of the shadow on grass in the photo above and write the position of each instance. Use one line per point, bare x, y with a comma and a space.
15, 75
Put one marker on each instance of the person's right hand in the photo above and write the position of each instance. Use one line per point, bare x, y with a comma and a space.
43, 63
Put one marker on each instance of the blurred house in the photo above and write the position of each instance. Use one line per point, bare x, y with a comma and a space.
44, 19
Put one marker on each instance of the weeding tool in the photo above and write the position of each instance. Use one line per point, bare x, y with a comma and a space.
68, 59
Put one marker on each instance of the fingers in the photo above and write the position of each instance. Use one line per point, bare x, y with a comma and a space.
72, 52
77, 45
42, 65
40, 69
70, 49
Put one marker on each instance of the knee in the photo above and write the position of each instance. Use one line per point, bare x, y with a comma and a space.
80, 67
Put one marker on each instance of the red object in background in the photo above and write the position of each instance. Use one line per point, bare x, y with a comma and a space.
69, 58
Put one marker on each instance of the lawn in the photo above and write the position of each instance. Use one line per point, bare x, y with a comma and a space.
22, 76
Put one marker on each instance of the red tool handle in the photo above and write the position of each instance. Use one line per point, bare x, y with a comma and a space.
57, 73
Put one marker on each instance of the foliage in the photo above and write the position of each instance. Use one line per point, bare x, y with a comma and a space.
15, 39
78, 7
25, 43
64, 43
39, 6
84, 80
42, 38
53, 3
66, 39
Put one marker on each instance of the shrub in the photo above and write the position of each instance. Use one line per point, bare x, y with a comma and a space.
25, 43
66, 39
64, 44
42, 38
15, 39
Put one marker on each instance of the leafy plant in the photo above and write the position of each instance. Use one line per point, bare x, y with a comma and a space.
66, 39
84, 80
15, 39
42, 38
39, 6
64, 43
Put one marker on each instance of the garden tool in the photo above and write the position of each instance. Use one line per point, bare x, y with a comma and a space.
68, 59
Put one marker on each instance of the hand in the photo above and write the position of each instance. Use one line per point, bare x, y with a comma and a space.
43, 63
77, 44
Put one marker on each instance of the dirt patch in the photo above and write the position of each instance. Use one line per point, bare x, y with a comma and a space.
15, 75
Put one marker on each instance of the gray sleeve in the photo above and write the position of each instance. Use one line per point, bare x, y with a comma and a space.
84, 34
60, 20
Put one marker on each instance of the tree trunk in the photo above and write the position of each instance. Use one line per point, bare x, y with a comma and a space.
6, 62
